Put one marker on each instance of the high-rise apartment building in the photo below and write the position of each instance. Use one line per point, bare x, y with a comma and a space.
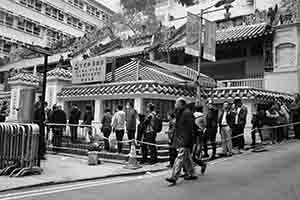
40, 22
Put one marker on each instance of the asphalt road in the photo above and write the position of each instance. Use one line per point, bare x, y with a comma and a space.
270, 175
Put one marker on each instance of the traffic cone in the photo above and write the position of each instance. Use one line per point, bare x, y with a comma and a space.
132, 161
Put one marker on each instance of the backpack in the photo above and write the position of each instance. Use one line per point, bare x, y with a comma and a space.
157, 124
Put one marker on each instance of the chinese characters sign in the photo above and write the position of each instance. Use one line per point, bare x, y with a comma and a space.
88, 71
208, 37
209, 49
192, 35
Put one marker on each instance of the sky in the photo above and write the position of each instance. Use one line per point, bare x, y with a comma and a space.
112, 4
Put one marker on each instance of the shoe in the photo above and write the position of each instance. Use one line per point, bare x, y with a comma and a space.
203, 168
183, 175
189, 178
205, 156
213, 157
152, 162
171, 180
143, 162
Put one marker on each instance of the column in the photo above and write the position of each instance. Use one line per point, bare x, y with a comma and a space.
138, 104
98, 114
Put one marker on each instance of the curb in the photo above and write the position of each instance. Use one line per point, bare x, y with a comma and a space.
51, 183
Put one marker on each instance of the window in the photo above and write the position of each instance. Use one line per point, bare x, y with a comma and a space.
48, 10
5, 46
36, 30
30, 3
9, 20
29, 27
2, 17
21, 24
61, 16
54, 13
80, 5
38, 5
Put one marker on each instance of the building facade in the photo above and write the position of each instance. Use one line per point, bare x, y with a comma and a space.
42, 22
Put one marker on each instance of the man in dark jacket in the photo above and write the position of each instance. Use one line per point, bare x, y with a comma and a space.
131, 116
183, 141
58, 117
295, 112
74, 120
39, 118
240, 113
211, 129
106, 128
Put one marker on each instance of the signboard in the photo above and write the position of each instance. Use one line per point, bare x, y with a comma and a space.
208, 37
209, 48
192, 34
89, 70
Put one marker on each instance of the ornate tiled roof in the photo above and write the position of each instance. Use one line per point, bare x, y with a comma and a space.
234, 34
249, 93
157, 71
59, 73
26, 78
129, 88
126, 51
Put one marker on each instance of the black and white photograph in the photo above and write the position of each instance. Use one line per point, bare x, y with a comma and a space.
149, 99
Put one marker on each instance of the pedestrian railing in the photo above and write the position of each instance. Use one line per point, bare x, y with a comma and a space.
19, 144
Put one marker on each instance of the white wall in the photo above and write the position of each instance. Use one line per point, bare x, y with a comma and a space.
282, 81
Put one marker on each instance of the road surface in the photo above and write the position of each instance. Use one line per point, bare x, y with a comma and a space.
270, 175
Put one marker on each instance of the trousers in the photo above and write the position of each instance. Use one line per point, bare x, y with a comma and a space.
119, 136
150, 138
183, 160
226, 133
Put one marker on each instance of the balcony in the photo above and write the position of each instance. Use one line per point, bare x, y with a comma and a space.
251, 82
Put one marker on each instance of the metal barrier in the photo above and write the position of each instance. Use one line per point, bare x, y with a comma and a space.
85, 134
19, 144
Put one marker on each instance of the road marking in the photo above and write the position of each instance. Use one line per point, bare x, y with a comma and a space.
54, 190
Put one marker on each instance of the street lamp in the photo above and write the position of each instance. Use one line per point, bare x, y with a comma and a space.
227, 5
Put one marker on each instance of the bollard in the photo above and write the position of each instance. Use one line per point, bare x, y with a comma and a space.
132, 160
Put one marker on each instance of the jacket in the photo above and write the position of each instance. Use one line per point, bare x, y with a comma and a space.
212, 119
106, 121
131, 116
184, 129
150, 122
242, 116
74, 116
229, 118
88, 118
118, 120
171, 130
59, 117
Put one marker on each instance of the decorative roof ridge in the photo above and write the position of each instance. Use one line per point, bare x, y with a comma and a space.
242, 26
112, 84
253, 88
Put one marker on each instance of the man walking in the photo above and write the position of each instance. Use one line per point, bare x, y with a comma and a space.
106, 128
131, 116
226, 121
74, 120
150, 134
183, 140
240, 118
211, 129
118, 125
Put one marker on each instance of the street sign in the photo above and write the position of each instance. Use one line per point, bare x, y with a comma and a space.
192, 34
89, 70
209, 48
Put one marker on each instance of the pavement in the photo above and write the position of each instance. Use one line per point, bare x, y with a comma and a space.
58, 169
269, 175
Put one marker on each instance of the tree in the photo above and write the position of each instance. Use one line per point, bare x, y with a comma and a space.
290, 6
139, 16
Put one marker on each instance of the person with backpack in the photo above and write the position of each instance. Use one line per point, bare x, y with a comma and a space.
131, 116
153, 125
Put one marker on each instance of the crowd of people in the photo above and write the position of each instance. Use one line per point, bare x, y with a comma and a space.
191, 130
